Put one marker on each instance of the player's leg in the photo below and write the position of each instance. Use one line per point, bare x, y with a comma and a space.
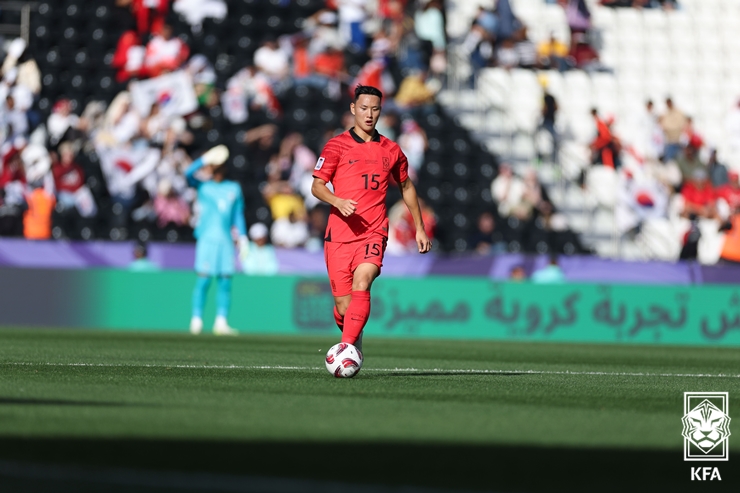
367, 261
338, 258
204, 268
358, 310
223, 294
199, 300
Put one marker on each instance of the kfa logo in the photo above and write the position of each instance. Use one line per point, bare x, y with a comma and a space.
705, 474
706, 427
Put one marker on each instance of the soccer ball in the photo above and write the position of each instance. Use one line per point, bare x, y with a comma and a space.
343, 360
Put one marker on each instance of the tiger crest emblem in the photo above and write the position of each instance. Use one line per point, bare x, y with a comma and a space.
706, 426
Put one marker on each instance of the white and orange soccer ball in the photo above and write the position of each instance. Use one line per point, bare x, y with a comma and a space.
343, 360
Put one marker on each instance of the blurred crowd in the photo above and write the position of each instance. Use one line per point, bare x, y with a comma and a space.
665, 173
140, 142
498, 38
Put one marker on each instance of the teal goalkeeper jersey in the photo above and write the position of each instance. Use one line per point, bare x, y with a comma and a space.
221, 207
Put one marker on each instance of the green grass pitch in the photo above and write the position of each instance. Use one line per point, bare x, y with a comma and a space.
463, 415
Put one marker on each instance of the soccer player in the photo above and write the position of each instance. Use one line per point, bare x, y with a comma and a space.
221, 210
359, 164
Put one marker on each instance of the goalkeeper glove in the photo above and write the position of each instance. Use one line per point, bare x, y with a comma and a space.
216, 156
243, 248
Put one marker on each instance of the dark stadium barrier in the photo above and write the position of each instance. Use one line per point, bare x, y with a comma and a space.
430, 307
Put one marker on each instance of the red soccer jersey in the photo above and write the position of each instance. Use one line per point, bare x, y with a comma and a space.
360, 171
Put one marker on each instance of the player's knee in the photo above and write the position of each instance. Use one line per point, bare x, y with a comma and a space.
362, 284
342, 306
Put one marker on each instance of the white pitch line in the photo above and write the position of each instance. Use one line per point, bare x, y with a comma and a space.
399, 370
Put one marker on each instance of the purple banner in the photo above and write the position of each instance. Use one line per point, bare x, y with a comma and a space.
97, 254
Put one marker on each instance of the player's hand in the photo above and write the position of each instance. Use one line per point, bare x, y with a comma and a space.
423, 241
346, 206
243, 248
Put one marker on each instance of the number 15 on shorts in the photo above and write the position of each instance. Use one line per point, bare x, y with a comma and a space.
372, 250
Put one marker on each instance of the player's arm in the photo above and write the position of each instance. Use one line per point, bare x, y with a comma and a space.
319, 190
241, 225
192, 170
215, 156
408, 191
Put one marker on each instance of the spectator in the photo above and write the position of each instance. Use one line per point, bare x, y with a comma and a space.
150, 14
507, 24
717, 171
429, 26
606, 147
37, 218
553, 55
552, 274
62, 123
129, 56
526, 51
688, 162
690, 246
413, 92
141, 261
584, 56
301, 160
318, 218
290, 231
196, 11
731, 247
352, 16
413, 142
547, 123
507, 56
204, 80
730, 192
25, 71
673, 122
507, 190
518, 274
248, 89
165, 53
170, 208
486, 238
261, 144
699, 196
578, 16
534, 200
262, 259
12, 170
273, 61
68, 176
401, 229
14, 119
650, 142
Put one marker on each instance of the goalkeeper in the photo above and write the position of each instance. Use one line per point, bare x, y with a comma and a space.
221, 210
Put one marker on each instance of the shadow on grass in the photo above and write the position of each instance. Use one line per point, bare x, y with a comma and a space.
431, 465
7, 401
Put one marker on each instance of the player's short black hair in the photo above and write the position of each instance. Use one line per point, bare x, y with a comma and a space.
372, 91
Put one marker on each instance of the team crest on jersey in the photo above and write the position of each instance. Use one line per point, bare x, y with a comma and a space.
319, 163
386, 164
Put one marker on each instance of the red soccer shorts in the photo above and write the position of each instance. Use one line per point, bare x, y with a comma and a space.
343, 258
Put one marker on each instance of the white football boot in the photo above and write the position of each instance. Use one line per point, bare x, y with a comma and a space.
221, 327
196, 325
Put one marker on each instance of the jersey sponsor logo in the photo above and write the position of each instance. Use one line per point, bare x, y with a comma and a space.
386, 164
319, 163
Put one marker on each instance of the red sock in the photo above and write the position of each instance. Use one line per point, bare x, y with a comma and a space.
356, 316
339, 319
